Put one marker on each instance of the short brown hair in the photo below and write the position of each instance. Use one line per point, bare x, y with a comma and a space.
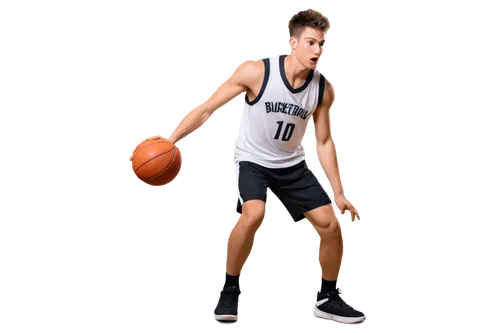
307, 18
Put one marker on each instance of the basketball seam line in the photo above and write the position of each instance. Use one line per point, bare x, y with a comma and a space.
154, 159
152, 143
162, 171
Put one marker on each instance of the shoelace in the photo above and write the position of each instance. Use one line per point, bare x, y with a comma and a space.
335, 296
343, 304
229, 297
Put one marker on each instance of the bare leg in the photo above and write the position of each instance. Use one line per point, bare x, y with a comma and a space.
331, 246
241, 239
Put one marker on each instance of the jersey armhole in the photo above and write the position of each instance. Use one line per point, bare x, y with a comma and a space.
321, 89
264, 83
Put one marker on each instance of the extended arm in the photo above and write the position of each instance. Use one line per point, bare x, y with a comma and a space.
226, 92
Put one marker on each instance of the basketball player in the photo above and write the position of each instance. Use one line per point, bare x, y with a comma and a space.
282, 93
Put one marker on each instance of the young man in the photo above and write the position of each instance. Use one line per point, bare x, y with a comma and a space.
281, 95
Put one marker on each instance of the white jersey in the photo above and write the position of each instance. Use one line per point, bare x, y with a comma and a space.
274, 123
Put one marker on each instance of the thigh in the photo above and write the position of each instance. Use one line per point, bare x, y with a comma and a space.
299, 190
252, 183
323, 218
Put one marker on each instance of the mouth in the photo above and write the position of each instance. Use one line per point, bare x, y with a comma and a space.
314, 60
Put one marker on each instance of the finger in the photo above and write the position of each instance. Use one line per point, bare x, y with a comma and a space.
344, 211
352, 217
156, 137
130, 155
349, 213
353, 211
358, 214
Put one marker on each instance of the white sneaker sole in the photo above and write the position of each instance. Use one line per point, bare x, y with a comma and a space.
346, 320
226, 317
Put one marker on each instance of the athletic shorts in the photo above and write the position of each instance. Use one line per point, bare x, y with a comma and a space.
295, 186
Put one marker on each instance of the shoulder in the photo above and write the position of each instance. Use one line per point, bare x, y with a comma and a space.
250, 72
326, 93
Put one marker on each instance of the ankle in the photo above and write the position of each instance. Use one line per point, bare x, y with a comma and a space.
328, 285
232, 280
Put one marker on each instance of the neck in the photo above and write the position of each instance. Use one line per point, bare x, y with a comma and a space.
294, 70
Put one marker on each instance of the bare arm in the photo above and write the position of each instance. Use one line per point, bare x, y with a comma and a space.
325, 145
237, 83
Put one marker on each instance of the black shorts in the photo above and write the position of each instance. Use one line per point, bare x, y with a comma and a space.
296, 187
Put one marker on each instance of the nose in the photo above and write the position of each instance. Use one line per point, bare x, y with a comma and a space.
318, 50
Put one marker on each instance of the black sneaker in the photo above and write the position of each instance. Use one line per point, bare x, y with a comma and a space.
331, 306
227, 308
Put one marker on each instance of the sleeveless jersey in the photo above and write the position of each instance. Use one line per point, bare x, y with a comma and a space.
274, 123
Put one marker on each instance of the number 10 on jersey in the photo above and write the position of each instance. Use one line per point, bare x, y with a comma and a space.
287, 134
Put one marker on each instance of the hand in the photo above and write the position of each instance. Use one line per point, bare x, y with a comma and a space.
154, 136
344, 205
150, 138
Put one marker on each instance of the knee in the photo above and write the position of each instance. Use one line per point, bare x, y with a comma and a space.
325, 222
252, 217
331, 230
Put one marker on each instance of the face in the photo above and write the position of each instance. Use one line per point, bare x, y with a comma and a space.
309, 47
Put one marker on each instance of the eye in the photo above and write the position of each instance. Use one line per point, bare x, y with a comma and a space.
310, 42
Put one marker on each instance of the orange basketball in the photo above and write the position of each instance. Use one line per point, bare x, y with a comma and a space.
157, 162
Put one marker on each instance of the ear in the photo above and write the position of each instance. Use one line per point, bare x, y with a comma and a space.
293, 42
